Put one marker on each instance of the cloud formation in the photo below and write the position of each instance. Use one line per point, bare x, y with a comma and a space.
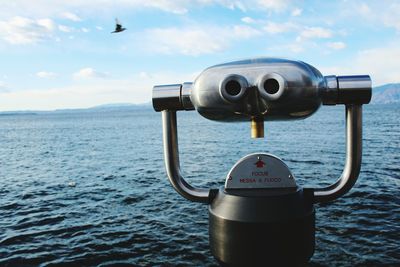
3, 87
89, 73
71, 16
46, 74
314, 32
196, 40
354, 41
21, 30
276, 5
63, 8
381, 63
64, 28
296, 12
92, 92
336, 45
275, 28
248, 20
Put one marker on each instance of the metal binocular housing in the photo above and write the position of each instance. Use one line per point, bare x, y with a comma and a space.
267, 88
269, 219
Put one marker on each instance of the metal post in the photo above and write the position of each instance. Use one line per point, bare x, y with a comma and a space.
353, 158
171, 158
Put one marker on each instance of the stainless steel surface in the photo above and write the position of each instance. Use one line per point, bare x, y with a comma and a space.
186, 91
167, 97
330, 94
354, 89
259, 170
171, 158
353, 158
298, 95
265, 88
354, 82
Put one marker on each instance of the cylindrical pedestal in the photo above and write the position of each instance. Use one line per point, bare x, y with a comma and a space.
262, 227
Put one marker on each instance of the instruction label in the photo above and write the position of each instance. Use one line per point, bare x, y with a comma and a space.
260, 170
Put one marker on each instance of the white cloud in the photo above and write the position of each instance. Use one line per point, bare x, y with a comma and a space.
242, 31
99, 28
297, 12
89, 73
47, 23
177, 7
79, 95
184, 41
275, 5
71, 16
314, 32
295, 48
64, 28
144, 75
56, 9
248, 20
364, 9
336, 45
21, 30
392, 17
45, 74
3, 87
274, 28
196, 40
88, 93
85, 30
381, 63
378, 13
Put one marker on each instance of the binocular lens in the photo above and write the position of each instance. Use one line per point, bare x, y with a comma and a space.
233, 87
271, 86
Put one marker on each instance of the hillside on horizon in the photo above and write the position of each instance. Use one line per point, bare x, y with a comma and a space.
386, 94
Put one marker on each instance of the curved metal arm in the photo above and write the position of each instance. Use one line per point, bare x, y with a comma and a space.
353, 158
171, 158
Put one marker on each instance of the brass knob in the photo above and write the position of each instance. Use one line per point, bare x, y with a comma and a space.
257, 128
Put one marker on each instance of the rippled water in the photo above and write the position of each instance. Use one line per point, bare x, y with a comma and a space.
89, 188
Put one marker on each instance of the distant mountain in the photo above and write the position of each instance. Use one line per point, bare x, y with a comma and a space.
108, 107
122, 106
100, 108
17, 113
386, 94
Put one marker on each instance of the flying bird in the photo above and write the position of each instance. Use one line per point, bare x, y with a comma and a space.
118, 27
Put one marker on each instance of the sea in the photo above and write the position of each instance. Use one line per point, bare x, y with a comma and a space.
89, 188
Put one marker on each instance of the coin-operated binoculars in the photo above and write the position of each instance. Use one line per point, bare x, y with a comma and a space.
261, 216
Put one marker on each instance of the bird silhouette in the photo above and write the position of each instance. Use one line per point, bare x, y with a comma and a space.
118, 27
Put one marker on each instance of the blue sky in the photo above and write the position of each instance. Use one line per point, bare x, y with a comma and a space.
61, 54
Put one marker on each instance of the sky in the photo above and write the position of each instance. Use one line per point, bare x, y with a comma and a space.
61, 54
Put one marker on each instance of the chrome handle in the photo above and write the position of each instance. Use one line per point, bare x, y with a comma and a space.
355, 89
353, 158
171, 158
172, 97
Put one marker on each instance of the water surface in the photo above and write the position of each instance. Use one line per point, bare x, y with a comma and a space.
89, 188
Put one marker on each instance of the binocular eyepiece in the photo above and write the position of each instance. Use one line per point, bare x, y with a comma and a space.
262, 89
